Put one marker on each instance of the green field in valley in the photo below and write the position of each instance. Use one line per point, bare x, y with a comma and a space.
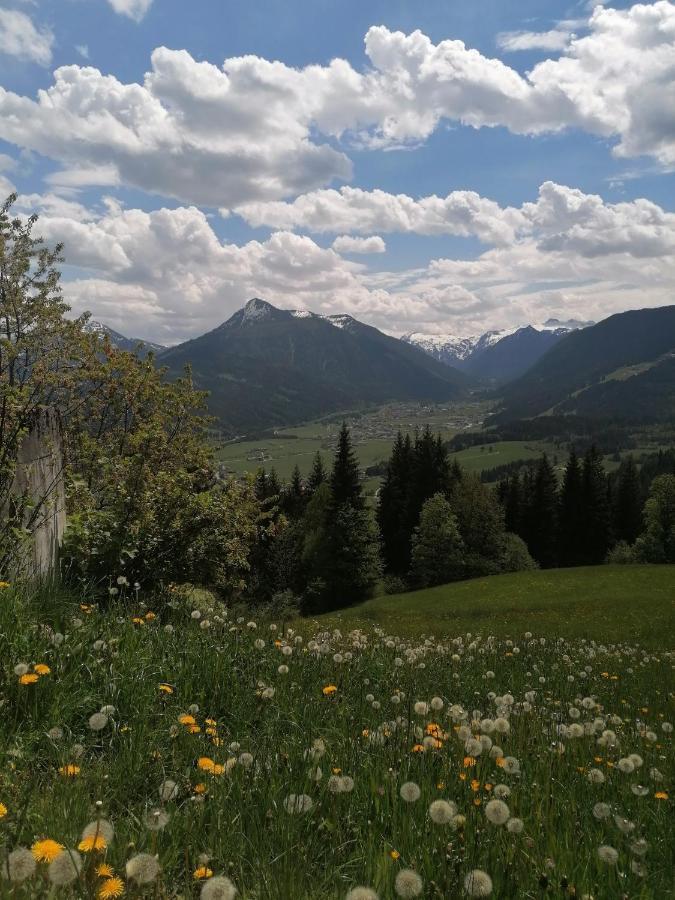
602, 603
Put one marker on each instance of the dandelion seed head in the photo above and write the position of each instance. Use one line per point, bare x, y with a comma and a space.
497, 812
143, 868
478, 884
65, 868
98, 721
19, 865
410, 792
218, 888
408, 884
442, 812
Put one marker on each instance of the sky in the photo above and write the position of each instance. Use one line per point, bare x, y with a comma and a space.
433, 166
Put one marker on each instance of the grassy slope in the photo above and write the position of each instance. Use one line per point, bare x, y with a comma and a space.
603, 603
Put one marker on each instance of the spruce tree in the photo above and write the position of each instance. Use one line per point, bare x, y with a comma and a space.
656, 544
571, 514
293, 497
429, 475
273, 486
627, 511
345, 482
392, 510
260, 484
543, 512
596, 512
512, 502
318, 475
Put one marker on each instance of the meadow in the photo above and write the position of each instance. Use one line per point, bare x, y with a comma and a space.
169, 747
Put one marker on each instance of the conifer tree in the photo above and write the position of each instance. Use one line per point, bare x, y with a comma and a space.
429, 475
657, 542
260, 484
293, 496
543, 513
273, 487
345, 482
512, 501
596, 511
318, 475
571, 514
392, 510
627, 512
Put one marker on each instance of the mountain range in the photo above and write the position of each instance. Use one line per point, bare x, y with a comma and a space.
267, 367
133, 345
499, 356
622, 367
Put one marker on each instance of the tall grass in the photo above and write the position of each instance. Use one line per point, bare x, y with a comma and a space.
278, 733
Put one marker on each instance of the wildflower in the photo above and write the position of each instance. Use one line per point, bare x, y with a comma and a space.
408, 884
410, 792
478, 884
19, 865
602, 811
515, 826
421, 708
502, 791
142, 868
92, 843
46, 850
329, 690
497, 812
42, 669
361, 893
202, 873
219, 888
608, 854
441, 812
595, 776
30, 678
21, 669
69, 771
98, 721
65, 868
394, 854
661, 795
298, 803
103, 870
111, 887
166, 688
3, 810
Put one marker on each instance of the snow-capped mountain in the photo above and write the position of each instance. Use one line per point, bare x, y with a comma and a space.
120, 341
498, 354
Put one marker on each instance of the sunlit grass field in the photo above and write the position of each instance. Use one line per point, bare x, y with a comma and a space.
166, 748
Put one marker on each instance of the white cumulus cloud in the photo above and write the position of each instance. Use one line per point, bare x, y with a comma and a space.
133, 9
344, 243
19, 37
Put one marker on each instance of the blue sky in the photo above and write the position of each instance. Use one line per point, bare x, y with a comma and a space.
188, 191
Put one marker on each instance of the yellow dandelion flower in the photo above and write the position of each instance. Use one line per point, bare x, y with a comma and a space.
329, 690
70, 770
103, 870
166, 688
210, 722
200, 788
418, 748
462, 776
3, 810
205, 763
193, 729
138, 621
202, 873
337, 771
28, 678
3, 585
476, 801
394, 854
111, 887
211, 731
469, 761
661, 795
42, 669
93, 842
500, 762
187, 720
46, 850
217, 769
150, 615
475, 785
365, 732
217, 742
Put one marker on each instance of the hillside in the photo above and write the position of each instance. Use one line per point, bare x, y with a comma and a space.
268, 367
603, 603
132, 345
623, 366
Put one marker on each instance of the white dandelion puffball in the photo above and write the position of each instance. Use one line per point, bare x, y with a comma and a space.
99, 827
283, 669
156, 819
497, 812
410, 792
436, 704
442, 812
408, 884
218, 888
108, 710
55, 733
65, 868
626, 766
21, 669
347, 784
19, 865
502, 791
602, 810
595, 776
143, 868
361, 893
478, 884
98, 721
298, 803
515, 825
421, 708
246, 760
168, 790
608, 854
511, 765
